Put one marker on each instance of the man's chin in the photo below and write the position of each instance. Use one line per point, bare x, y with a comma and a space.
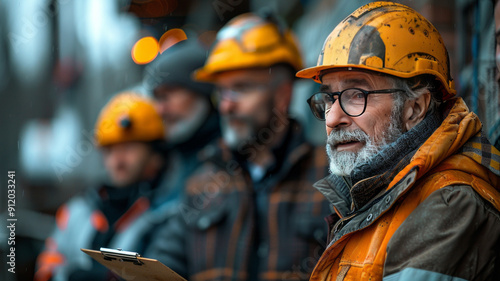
338, 172
341, 162
234, 132
232, 138
342, 168
179, 134
170, 122
182, 131
122, 183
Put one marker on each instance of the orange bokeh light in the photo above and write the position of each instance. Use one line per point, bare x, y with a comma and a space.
171, 37
145, 50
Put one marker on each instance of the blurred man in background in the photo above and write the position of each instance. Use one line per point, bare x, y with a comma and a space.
415, 183
122, 214
184, 105
251, 212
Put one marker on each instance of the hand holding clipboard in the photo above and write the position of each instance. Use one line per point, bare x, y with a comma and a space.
131, 266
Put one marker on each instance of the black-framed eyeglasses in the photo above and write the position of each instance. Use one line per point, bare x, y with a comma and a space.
352, 101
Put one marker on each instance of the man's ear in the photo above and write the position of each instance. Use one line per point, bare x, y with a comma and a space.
415, 110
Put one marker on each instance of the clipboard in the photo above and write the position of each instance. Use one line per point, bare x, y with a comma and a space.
131, 266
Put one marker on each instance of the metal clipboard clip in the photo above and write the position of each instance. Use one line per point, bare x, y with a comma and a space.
120, 255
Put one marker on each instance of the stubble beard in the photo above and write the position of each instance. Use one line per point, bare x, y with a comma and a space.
246, 134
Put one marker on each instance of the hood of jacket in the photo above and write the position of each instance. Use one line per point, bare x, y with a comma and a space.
458, 144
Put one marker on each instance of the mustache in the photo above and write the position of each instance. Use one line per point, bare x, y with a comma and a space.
342, 136
120, 167
171, 117
238, 118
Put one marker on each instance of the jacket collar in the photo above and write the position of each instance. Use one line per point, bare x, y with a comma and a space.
459, 132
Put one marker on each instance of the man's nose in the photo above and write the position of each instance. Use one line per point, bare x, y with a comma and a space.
227, 106
336, 117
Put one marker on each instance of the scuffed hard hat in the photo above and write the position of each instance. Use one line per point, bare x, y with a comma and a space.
250, 41
388, 38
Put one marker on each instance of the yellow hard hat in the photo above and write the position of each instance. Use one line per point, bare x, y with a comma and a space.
249, 41
389, 38
128, 117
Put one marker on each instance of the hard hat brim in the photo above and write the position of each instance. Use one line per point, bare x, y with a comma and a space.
314, 73
202, 75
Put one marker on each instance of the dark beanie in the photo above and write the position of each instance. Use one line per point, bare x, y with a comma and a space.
174, 67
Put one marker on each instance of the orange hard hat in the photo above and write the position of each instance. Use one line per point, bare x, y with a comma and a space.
388, 38
128, 117
250, 41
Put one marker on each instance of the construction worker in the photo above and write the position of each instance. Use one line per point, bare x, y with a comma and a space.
251, 212
130, 135
190, 118
414, 182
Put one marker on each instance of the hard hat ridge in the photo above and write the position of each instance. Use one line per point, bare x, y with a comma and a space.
388, 38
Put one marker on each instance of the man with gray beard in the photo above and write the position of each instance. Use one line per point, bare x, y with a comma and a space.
414, 182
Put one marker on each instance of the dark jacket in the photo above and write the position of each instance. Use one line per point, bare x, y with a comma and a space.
184, 158
230, 228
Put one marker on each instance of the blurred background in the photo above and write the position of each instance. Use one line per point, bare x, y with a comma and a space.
61, 61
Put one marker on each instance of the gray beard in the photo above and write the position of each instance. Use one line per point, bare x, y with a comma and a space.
237, 139
234, 139
185, 129
343, 163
